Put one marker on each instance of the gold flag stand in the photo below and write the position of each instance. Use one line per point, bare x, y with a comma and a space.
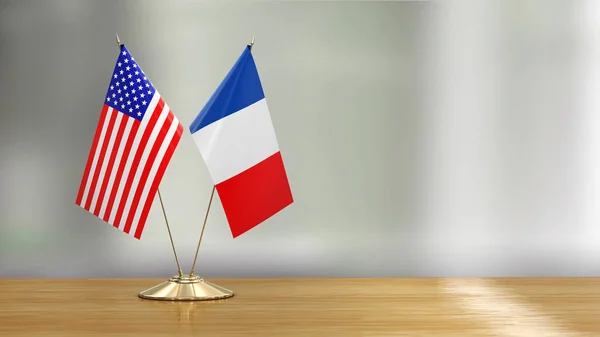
189, 287
186, 288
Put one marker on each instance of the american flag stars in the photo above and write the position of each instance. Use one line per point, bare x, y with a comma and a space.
129, 91
136, 136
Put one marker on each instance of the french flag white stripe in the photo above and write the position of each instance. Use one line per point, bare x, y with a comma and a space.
237, 142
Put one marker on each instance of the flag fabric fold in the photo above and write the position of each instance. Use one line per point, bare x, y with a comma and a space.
134, 141
235, 136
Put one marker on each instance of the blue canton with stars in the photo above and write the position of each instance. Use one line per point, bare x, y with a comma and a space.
130, 91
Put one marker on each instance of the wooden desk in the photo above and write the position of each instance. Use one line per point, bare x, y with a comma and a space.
307, 307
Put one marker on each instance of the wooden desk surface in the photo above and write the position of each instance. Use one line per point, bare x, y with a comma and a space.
307, 307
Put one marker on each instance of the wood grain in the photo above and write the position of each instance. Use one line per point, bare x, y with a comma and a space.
307, 307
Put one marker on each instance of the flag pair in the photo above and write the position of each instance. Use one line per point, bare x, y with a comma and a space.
138, 133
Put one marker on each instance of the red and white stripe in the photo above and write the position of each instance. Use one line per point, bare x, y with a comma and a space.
243, 158
126, 163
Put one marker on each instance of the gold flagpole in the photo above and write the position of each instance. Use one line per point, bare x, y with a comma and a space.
188, 287
169, 230
119, 44
209, 204
208, 207
202, 232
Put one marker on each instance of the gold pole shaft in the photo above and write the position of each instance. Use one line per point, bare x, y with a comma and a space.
203, 226
119, 44
170, 236
251, 44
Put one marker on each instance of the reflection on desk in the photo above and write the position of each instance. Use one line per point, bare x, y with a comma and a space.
307, 307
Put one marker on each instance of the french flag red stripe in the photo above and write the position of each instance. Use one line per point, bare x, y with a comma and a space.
237, 141
255, 195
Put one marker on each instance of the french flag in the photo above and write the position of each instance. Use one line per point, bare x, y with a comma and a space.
237, 141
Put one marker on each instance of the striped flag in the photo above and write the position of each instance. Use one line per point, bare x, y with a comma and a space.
135, 139
236, 139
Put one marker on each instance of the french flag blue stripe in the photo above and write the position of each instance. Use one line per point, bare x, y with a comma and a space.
240, 88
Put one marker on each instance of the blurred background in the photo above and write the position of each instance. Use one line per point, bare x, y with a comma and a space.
421, 138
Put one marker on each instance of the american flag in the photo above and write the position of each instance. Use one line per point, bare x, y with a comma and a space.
135, 139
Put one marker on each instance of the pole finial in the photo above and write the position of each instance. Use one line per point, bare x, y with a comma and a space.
119, 44
251, 43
